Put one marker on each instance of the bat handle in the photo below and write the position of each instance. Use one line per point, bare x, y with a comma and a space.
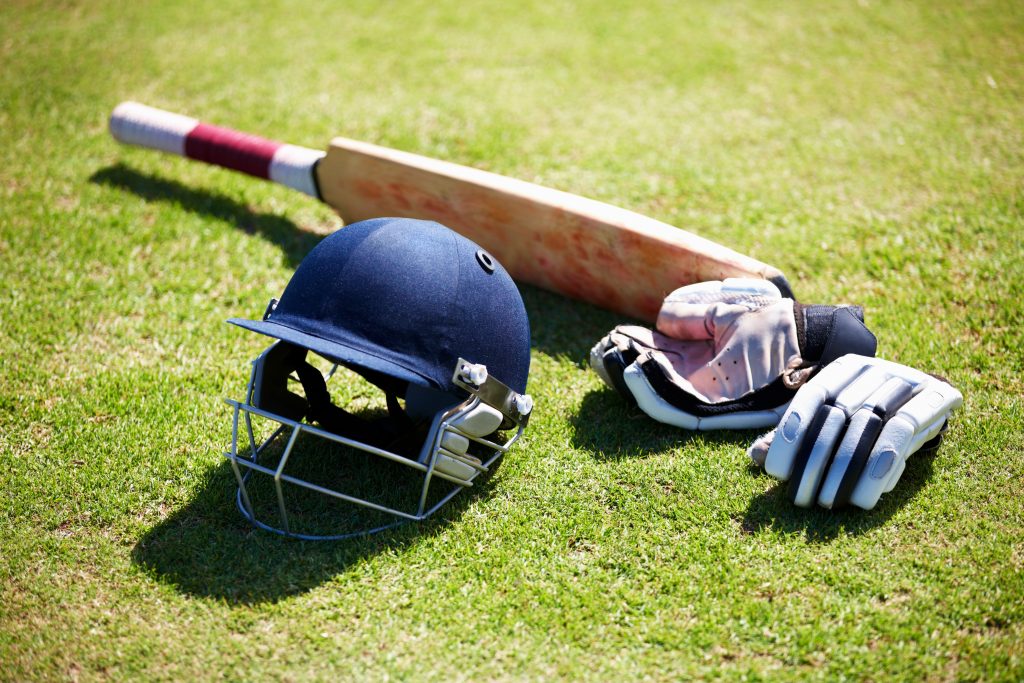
137, 124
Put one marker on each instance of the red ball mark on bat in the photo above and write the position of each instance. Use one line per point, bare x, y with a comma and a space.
224, 147
367, 189
437, 208
556, 242
398, 195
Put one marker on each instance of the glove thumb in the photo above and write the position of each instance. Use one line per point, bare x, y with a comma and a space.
692, 313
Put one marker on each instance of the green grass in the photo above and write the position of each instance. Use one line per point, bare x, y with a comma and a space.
873, 151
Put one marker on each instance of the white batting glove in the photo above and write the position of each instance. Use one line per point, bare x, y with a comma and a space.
848, 432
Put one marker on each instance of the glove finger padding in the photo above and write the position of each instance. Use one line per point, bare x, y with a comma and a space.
848, 432
726, 355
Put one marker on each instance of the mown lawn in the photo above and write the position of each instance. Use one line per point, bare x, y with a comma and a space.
873, 151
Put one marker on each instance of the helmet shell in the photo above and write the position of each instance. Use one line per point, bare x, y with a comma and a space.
404, 298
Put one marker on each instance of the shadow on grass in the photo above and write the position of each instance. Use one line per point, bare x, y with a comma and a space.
610, 429
293, 241
566, 328
207, 549
772, 510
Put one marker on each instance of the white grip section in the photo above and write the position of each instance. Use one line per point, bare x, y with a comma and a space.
136, 124
293, 166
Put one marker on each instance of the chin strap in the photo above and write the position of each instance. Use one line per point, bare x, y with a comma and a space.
397, 432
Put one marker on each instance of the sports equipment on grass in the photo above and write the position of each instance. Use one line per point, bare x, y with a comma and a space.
726, 354
585, 249
422, 313
848, 432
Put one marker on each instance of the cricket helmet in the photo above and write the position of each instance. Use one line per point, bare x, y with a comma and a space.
423, 314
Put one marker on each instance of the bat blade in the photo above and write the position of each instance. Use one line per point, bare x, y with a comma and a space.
608, 256
605, 255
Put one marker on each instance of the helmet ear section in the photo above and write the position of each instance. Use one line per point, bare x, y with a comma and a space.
481, 421
270, 381
423, 403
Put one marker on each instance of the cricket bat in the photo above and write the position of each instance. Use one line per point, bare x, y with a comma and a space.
602, 254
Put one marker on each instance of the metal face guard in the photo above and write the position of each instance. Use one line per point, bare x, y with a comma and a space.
458, 449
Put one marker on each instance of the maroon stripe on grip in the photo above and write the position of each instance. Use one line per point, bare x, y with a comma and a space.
225, 147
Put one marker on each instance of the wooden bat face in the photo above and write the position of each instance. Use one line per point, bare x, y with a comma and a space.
602, 254
607, 256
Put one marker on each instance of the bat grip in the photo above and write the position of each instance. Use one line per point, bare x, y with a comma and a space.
137, 124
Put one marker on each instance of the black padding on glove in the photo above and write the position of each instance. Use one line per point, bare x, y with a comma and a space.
848, 335
804, 454
873, 423
869, 433
766, 398
933, 444
828, 332
615, 362
782, 283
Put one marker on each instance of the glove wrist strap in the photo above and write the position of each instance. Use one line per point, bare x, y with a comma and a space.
827, 332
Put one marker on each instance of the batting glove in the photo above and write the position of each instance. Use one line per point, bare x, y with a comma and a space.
847, 434
726, 354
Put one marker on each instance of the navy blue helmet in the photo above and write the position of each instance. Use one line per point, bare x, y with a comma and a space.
421, 312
